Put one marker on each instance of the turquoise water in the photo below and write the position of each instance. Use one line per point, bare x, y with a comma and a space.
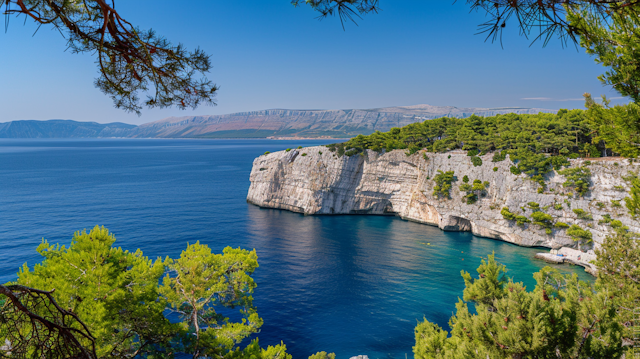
347, 284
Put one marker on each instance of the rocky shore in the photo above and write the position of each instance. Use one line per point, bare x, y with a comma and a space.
315, 181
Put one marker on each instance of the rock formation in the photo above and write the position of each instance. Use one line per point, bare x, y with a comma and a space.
314, 180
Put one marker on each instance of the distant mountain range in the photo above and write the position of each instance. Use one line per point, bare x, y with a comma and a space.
255, 124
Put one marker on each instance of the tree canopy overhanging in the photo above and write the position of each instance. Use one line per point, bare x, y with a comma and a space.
132, 62
135, 63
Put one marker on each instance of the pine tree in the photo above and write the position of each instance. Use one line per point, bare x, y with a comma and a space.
562, 317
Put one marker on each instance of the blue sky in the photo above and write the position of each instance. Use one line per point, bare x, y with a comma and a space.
268, 54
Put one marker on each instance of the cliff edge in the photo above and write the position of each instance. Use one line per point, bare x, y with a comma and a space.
315, 180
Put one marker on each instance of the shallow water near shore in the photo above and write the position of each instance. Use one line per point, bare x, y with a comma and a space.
345, 284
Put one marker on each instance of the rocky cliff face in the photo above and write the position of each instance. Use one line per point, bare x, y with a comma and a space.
315, 181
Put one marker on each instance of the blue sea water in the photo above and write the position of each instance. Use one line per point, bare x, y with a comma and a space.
345, 284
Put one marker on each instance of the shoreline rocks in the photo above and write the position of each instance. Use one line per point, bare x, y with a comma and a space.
316, 181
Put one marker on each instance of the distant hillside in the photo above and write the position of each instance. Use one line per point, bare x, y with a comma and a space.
255, 124
63, 129
309, 123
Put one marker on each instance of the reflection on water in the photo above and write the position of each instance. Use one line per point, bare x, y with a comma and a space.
346, 284
361, 283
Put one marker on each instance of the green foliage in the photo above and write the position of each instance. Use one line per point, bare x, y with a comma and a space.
495, 169
323, 355
515, 170
443, 180
478, 188
579, 235
521, 220
632, 202
424, 155
618, 126
614, 43
578, 178
619, 273
118, 295
542, 219
507, 214
267, 152
304, 154
287, 150
499, 156
507, 321
557, 206
561, 225
299, 147
582, 214
202, 285
606, 219
477, 161
114, 292
600, 205
533, 205
320, 152
465, 179
537, 143
615, 203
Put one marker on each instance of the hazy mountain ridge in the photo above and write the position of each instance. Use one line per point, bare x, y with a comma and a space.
255, 124
63, 129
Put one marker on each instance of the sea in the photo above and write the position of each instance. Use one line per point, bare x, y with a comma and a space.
348, 284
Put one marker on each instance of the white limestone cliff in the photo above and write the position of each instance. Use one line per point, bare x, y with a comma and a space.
315, 180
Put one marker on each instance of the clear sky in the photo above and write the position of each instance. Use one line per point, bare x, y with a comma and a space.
268, 54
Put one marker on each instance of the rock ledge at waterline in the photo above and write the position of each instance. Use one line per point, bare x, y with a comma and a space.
314, 180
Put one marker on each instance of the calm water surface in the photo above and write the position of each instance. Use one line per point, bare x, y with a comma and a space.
347, 284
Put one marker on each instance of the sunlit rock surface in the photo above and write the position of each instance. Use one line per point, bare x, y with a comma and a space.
315, 181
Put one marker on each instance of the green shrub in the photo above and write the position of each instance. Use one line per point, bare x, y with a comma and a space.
542, 219
582, 214
508, 215
443, 180
267, 152
615, 204
561, 225
465, 187
320, 152
600, 205
499, 156
605, 219
495, 169
533, 205
299, 147
424, 155
449, 156
304, 154
578, 234
465, 179
615, 164
521, 220
587, 163
515, 170
472, 153
578, 178
619, 188
557, 206
287, 150
477, 161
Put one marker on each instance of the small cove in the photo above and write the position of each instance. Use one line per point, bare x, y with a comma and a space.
347, 284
